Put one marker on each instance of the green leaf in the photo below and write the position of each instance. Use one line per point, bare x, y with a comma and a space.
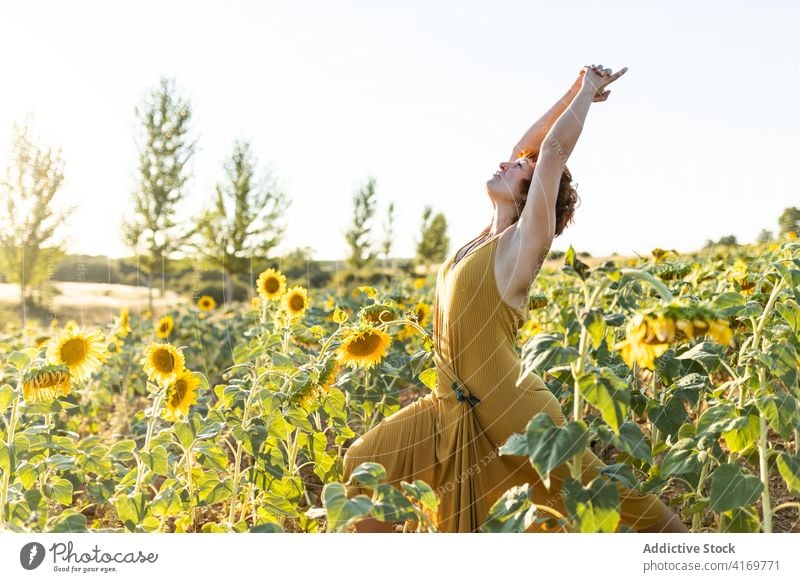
59, 490
783, 362
595, 324
423, 493
728, 304
341, 511
514, 512
668, 417
428, 377
6, 397
18, 359
266, 528
731, 487
574, 266
790, 312
156, 459
369, 474
166, 503
282, 363
594, 508
545, 351
391, 505
707, 353
212, 490
789, 468
5, 458
630, 439
719, 418
132, 509
780, 410
70, 521
680, 459
212, 456
609, 394
743, 437
620, 472
123, 450
548, 445
27, 472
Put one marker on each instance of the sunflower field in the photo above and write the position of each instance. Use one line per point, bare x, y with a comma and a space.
681, 372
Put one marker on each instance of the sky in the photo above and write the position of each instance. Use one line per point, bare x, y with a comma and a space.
697, 140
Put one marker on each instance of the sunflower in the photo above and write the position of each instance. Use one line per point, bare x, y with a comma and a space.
295, 302
162, 362
165, 326
363, 346
721, 332
642, 342
82, 352
181, 393
422, 313
206, 303
791, 235
378, 313
271, 284
46, 383
327, 379
124, 322
537, 301
418, 283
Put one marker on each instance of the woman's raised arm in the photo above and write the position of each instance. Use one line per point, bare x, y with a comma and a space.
535, 134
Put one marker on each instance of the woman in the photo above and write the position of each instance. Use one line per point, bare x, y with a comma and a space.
450, 438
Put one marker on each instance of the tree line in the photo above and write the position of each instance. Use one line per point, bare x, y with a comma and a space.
244, 220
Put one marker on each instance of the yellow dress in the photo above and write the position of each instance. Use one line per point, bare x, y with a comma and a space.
452, 444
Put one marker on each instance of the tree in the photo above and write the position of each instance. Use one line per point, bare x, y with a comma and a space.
388, 234
244, 221
361, 252
764, 236
434, 242
789, 221
28, 245
162, 179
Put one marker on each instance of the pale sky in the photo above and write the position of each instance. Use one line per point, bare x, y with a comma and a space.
698, 140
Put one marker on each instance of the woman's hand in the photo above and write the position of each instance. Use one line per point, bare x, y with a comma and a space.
599, 78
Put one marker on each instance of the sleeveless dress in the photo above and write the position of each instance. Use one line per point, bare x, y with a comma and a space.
451, 442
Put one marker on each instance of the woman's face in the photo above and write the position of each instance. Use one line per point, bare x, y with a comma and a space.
507, 180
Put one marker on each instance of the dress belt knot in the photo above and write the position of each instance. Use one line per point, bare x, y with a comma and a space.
462, 394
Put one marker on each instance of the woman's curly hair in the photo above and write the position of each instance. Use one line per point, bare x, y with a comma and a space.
568, 198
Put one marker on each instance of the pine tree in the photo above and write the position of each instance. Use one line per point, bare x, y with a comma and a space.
244, 222
29, 250
163, 174
434, 242
361, 252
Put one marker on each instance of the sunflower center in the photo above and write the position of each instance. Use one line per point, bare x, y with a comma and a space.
164, 327
73, 352
296, 302
163, 361
179, 389
366, 345
271, 285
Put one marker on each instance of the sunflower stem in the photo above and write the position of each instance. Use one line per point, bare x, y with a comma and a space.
238, 454
12, 426
189, 485
150, 424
